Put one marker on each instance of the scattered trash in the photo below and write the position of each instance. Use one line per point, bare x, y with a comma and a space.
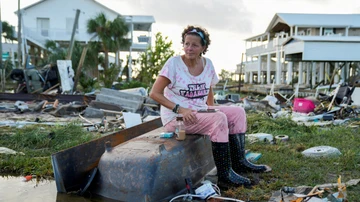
166, 134
303, 105
91, 128
328, 117
273, 102
28, 178
321, 151
253, 157
5, 150
260, 136
319, 193
51, 104
131, 119
282, 138
22, 106
261, 105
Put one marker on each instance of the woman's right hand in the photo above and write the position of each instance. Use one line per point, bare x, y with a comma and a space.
189, 115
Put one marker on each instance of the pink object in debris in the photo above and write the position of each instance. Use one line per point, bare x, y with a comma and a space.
303, 105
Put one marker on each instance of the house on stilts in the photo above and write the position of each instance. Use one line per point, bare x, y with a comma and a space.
303, 48
54, 20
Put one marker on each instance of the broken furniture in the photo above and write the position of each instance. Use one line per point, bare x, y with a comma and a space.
340, 101
51, 104
288, 100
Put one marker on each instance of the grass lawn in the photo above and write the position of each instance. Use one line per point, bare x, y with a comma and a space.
38, 143
289, 166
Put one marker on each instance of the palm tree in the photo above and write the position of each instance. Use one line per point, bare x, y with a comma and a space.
8, 31
110, 33
54, 52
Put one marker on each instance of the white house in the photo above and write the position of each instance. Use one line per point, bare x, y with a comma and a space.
307, 46
54, 20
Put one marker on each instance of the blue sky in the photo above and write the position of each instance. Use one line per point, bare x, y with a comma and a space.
229, 22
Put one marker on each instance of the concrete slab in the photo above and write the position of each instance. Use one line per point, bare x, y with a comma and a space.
107, 106
93, 113
124, 95
129, 105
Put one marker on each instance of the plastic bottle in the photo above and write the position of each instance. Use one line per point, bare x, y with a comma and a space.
180, 129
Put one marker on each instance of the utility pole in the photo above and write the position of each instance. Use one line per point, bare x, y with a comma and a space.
1, 30
73, 34
81, 63
19, 36
2, 69
240, 71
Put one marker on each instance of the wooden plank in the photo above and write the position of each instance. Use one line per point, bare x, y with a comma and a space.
51, 98
71, 166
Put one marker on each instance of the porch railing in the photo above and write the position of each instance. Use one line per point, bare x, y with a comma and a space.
41, 36
266, 48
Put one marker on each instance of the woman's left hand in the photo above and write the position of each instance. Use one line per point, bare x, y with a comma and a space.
189, 115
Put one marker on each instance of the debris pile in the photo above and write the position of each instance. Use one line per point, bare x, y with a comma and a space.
319, 193
108, 110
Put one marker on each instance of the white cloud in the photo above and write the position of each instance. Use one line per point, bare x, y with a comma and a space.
218, 14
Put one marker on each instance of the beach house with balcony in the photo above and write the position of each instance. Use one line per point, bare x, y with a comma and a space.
54, 20
305, 47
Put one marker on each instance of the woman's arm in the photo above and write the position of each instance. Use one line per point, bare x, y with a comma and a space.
157, 92
210, 98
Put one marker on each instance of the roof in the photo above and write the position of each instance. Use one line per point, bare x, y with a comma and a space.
313, 20
32, 5
256, 36
41, 1
141, 22
323, 39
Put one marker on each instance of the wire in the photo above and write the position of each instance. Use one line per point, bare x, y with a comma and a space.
183, 195
216, 196
216, 188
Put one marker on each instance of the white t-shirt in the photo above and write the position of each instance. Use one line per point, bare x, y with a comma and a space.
185, 89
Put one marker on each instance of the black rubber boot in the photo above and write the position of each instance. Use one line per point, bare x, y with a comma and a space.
239, 162
226, 175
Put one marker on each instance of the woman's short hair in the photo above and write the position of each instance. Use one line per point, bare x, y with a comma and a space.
197, 31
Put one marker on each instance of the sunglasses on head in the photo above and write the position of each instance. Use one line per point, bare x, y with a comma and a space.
198, 33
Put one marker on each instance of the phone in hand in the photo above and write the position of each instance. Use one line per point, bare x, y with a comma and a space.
207, 110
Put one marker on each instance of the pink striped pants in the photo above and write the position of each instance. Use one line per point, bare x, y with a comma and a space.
218, 125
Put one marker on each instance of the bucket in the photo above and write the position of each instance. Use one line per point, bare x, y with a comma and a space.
303, 105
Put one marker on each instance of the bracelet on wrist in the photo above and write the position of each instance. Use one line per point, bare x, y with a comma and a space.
176, 108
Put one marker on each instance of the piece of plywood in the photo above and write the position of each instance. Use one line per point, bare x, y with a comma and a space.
66, 73
131, 119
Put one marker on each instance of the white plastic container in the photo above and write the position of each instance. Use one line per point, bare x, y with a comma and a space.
261, 136
321, 151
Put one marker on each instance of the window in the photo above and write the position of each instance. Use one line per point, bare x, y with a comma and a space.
43, 26
70, 25
308, 32
328, 31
